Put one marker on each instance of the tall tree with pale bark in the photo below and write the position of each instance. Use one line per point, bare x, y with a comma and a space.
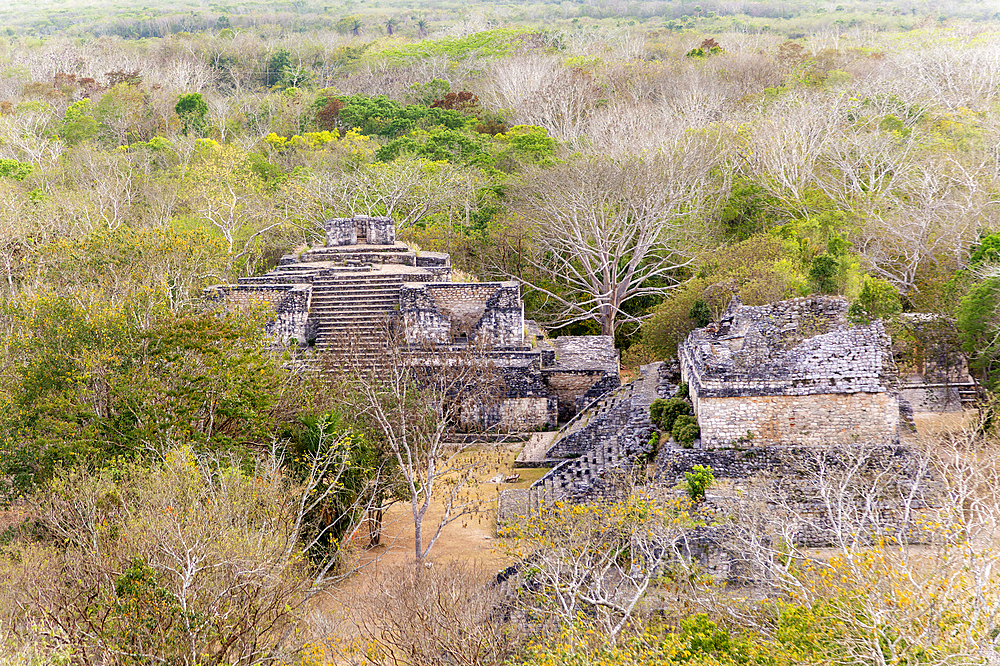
608, 231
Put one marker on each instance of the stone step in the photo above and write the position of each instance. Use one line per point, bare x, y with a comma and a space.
322, 285
327, 278
333, 301
331, 306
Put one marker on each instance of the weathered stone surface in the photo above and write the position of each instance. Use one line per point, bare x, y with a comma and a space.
362, 281
793, 372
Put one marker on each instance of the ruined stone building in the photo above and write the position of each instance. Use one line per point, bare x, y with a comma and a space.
793, 372
362, 279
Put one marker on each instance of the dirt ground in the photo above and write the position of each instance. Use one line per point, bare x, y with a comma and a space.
470, 539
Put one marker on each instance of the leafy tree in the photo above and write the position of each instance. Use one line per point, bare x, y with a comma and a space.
99, 381
759, 269
698, 480
79, 123
192, 110
978, 323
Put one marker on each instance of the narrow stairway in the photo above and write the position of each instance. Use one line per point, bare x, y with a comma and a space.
353, 312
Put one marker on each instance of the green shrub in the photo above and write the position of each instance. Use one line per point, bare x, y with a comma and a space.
682, 390
878, 300
698, 480
685, 430
663, 413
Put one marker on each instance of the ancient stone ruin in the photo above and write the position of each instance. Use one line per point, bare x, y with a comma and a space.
362, 280
794, 372
801, 421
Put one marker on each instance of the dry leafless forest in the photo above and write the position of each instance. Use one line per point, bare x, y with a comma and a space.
173, 492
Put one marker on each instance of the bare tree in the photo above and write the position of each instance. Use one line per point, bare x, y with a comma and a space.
413, 395
407, 189
911, 546
600, 558
199, 558
613, 230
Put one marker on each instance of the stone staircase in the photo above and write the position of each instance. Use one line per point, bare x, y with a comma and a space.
352, 311
608, 434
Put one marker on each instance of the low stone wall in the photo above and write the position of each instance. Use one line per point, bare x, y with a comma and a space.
816, 420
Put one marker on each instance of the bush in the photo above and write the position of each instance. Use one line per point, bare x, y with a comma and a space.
663, 413
414, 615
201, 559
878, 300
698, 480
685, 430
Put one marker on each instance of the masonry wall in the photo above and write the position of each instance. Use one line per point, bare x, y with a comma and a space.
491, 312
528, 413
793, 472
799, 419
290, 304
570, 385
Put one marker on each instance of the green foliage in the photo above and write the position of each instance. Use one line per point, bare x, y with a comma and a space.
758, 269
685, 430
330, 437
193, 111
663, 412
978, 320
485, 44
381, 116
986, 251
427, 93
530, 143
823, 273
78, 124
878, 300
97, 381
15, 170
437, 144
144, 615
696, 482
748, 210
700, 313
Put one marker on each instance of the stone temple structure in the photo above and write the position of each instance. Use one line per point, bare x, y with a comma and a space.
363, 278
794, 372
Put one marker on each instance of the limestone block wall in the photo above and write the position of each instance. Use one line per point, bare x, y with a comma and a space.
817, 419
491, 312
793, 372
904, 486
380, 230
341, 231
571, 386
528, 413
289, 302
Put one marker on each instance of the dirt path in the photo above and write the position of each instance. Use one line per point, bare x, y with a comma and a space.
470, 539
